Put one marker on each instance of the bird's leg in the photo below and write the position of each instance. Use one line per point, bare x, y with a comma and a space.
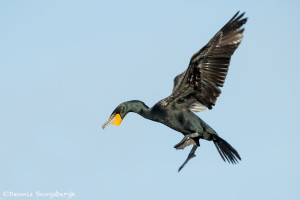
190, 156
187, 140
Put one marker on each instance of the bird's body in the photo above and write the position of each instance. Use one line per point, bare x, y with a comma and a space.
182, 121
195, 90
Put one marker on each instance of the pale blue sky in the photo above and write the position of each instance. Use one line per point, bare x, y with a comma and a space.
65, 65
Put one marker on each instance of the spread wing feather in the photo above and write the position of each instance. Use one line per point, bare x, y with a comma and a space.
197, 88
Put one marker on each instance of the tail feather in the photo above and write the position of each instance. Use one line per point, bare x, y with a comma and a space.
226, 151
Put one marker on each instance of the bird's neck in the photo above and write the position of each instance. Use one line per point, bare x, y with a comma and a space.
140, 108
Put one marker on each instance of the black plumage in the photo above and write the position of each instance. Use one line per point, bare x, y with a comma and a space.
196, 89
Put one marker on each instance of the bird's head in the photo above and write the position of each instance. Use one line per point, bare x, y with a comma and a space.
117, 115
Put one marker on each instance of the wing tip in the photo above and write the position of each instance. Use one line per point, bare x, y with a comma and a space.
235, 22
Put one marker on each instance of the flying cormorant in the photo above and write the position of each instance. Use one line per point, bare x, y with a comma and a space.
196, 89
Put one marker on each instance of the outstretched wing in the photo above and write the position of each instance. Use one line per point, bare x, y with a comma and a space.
198, 87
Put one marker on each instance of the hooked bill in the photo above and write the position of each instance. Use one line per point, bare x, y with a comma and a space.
114, 119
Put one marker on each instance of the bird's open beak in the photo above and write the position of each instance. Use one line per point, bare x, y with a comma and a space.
114, 119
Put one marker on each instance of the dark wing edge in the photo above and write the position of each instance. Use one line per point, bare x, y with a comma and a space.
197, 88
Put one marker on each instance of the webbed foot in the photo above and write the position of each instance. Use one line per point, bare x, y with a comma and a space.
190, 156
187, 140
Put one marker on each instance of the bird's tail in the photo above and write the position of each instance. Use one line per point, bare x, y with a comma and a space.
226, 151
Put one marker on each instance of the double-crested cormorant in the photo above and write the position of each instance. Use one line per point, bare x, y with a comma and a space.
196, 89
